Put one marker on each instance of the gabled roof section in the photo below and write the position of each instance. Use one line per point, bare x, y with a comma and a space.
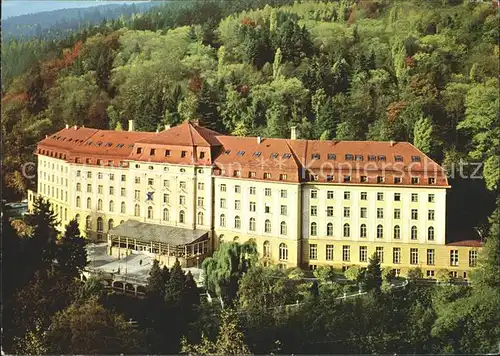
185, 134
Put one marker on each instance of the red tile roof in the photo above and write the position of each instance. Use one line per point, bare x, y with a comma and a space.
361, 162
467, 243
186, 134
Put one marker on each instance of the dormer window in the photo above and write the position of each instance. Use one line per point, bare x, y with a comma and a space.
287, 155
240, 153
381, 158
398, 158
415, 158
139, 150
202, 155
380, 179
152, 152
267, 175
315, 156
257, 154
237, 173
167, 153
359, 157
183, 153
432, 180
274, 155
227, 152
347, 179
332, 156
349, 157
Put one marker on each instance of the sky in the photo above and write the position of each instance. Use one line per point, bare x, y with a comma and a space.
12, 8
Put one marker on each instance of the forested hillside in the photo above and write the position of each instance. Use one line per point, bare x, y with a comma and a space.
59, 23
419, 71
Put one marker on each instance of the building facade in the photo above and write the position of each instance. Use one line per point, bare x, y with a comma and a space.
305, 203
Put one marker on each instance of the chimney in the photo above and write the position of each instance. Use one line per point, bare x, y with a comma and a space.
131, 125
167, 126
259, 140
392, 143
67, 126
293, 134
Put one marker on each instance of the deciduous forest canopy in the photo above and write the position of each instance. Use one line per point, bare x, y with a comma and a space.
420, 71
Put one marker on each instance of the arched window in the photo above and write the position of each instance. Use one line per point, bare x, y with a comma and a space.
78, 202
314, 229
222, 221
329, 229
283, 252
88, 222
137, 210
221, 239
111, 224
430, 233
236, 239
237, 222
414, 233
267, 225
123, 207
267, 249
182, 216
283, 228
89, 203
200, 218
100, 224
166, 216
111, 206
99, 204
380, 231
347, 230
397, 232
150, 212
77, 218
362, 230
252, 224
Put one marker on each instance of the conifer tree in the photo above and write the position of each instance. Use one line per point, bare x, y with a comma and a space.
422, 134
373, 275
42, 244
174, 289
72, 255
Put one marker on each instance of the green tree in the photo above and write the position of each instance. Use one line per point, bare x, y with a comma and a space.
157, 281
372, 280
481, 121
42, 244
71, 254
174, 289
415, 273
80, 329
224, 269
423, 135
230, 339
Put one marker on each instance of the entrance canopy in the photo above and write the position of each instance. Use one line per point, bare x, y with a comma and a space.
171, 235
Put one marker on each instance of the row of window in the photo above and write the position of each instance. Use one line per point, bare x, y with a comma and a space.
56, 167
166, 184
396, 255
252, 224
54, 179
431, 198
365, 179
137, 210
53, 192
364, 213
380, 231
